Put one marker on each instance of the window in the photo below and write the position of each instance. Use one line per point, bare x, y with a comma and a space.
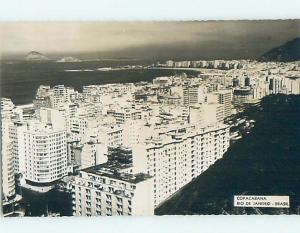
98, 212
120, 212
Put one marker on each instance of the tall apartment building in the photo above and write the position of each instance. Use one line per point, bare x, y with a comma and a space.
61, 94
45, 153
7, 168
241, 96
225, 97
93, 153
16, 133
192, 94
275, 84
110, 189
292, 85
178, 156
7, 108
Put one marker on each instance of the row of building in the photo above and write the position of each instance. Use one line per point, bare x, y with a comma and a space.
126, 148
215, 64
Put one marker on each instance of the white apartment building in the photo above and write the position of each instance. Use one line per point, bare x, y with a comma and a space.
225, 97
53, 117
114, 88
284, 85
93, 153
169, 63
173, 113
61, 94
110, 135
178, 156
192, 94
100, 130
7, 168
162, 81
7, 108
123, 114
132, 132
16, 134
78, 126
110, 189
45, 153
206, 114
292, 85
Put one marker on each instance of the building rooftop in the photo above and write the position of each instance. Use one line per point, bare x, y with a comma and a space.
116, 171
118, 166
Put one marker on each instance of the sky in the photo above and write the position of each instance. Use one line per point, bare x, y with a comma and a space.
154, 40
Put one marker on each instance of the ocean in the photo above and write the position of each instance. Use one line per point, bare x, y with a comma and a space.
20, 80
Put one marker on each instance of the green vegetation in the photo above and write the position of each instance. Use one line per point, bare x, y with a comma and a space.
264, 162
287, 52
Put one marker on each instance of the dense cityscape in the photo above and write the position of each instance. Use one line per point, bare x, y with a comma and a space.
124, 149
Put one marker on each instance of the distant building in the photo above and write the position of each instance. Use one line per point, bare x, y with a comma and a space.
42, 97
247, 82
162, 81
235, 82
123, 114
169, 63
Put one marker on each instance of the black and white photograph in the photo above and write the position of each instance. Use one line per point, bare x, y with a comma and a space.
150, 118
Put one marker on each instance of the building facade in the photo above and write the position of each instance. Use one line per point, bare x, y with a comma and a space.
106, 190
7, 168
178, 156
45, 153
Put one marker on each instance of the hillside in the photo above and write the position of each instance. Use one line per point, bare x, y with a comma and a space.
287, 52
265, 162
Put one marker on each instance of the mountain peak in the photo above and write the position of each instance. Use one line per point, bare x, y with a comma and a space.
36, 56
34, 53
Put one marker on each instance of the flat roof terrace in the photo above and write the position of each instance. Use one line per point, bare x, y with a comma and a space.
114, 171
